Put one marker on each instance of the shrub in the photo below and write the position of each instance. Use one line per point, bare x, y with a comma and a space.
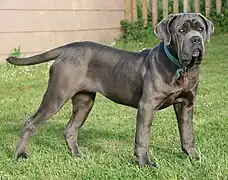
137, 32
16, 52
220, 20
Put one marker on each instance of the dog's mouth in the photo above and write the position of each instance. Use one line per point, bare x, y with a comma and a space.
196, 57
196, 52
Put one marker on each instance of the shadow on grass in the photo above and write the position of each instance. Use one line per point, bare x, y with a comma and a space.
166, 152
49, 137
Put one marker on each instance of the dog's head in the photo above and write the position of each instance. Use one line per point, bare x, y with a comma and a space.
186, 34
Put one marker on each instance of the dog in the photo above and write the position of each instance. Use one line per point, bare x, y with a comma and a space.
149, 80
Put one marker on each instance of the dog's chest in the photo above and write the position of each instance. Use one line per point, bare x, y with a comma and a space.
177, 97
170, 99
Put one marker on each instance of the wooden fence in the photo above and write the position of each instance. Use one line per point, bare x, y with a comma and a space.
131, 9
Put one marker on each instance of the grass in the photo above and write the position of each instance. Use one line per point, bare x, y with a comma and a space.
107, 138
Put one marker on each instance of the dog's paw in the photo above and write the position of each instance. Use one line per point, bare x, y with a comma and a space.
192, 153
151, 164
145, 161
22, 155
76, 153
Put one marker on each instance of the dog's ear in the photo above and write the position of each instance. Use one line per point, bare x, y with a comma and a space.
209, 26
162, 30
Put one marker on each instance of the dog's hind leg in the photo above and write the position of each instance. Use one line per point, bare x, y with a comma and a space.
82, 104
59, 91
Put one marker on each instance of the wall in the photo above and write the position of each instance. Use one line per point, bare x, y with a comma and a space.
37, 26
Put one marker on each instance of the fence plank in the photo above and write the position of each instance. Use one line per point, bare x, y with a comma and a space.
197, 6
186, 6
218, 6
175, 6
134, 10
154, 12
128, 10
207, 7
144, 12
165, 8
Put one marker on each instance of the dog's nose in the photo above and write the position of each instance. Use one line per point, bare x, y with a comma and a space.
196, 39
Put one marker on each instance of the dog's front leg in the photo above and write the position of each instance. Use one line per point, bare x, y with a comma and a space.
148, 104
143, 128
184, 113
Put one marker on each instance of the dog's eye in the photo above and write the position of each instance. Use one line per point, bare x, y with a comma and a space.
200, 28
181, 30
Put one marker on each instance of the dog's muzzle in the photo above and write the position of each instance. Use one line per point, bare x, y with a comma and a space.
193, 50
197, 45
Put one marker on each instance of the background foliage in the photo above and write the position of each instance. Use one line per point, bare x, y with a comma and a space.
137, 32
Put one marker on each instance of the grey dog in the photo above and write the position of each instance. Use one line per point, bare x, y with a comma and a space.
149, 80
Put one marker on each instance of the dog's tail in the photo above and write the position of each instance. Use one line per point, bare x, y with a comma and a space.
37, 59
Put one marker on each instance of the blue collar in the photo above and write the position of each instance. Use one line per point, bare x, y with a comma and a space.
181, 69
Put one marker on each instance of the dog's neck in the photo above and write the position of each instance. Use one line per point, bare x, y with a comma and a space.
172, 51
181, 69
174, 55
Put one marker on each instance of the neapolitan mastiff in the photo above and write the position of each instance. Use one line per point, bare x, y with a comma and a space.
149, 80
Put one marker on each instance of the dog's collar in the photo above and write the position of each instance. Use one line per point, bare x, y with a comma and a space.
181, 69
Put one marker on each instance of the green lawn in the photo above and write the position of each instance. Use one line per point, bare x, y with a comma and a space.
107, 138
